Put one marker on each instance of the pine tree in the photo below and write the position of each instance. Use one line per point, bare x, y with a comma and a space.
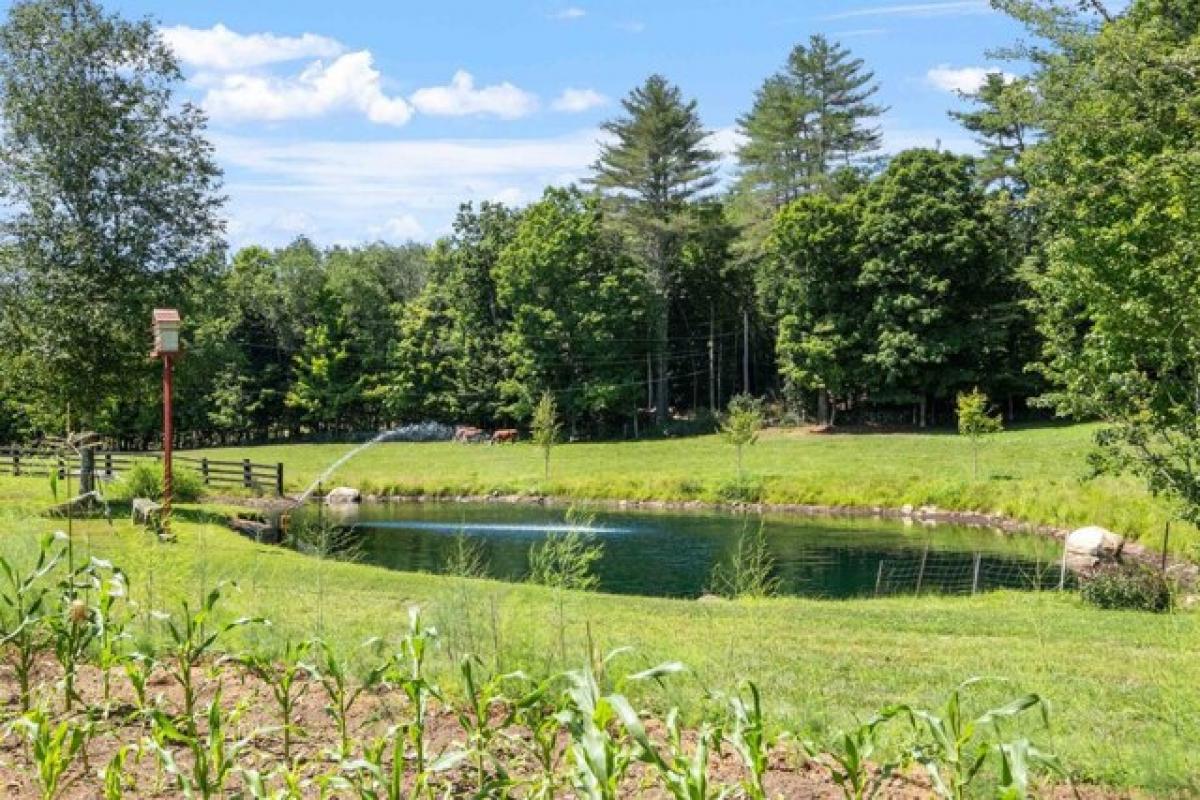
656, 166
1002, 121
807, 121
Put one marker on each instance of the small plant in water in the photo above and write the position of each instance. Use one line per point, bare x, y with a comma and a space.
750, 569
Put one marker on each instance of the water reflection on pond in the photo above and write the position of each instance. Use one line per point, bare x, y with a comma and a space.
673, 554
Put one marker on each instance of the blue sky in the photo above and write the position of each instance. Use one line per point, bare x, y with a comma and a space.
354, 120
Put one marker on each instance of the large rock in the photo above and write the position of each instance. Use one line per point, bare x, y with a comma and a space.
343, 495
1093, 545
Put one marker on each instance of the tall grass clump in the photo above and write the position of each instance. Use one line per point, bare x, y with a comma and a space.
749, 571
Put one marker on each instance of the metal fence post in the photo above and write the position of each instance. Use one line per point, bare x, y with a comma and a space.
878, 577
975, 577
1062, 572
921, 574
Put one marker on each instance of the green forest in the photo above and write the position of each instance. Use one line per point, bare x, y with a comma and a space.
1055, 271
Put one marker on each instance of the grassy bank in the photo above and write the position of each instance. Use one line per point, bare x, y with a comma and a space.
1124, 686
1033, 474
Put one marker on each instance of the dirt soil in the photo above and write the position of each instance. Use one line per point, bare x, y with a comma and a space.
116, 723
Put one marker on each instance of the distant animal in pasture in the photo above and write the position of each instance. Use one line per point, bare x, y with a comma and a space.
465, 434
505, 436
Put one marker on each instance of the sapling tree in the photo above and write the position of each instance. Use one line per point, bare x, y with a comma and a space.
975, 422
545, 427
743, 421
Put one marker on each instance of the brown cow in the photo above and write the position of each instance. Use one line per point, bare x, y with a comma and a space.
505, 436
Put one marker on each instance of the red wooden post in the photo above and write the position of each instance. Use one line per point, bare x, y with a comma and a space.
168, 441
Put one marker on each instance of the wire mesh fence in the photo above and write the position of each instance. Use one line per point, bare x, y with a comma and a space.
949, 573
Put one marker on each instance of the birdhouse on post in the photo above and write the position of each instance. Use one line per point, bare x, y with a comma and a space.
166, 331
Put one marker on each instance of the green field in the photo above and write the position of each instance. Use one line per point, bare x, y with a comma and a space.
1033, 474
1124, 686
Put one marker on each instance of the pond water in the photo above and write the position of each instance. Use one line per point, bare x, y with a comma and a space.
673, 554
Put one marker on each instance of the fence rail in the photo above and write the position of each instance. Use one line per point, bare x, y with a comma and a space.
110, 464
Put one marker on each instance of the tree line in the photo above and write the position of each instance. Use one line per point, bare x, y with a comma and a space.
846, 284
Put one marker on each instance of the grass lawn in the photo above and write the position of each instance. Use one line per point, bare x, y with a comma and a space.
1035, 474
1124, 686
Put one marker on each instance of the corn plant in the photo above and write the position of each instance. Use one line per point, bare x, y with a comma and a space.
684, 775
599, 761
958, 746
110, 624
341, 691
72, 632
535, 711
475, 718
284, 676
409, 675
255, 785
138, 667
113, 775
852, 754
191, 639
23, 598
53, 748
214, 755
373, 778
748, 738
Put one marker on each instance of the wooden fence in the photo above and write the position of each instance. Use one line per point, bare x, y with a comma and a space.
110, 464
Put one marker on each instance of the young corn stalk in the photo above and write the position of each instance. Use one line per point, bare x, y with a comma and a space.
53, 748
138, 667
684, 775
285, 677
958, 746
191, 639
341, 691
214, 755
23, 599
113, 776
748, 737
409, 674
72, 629
537, 714
475, 718
852, 753
112, 590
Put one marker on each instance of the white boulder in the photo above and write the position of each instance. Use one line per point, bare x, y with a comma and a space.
343, 495
1087, 547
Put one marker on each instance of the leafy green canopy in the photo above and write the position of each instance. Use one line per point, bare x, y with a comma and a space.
113, 201
1117, 181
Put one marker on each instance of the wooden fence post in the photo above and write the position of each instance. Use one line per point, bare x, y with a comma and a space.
16, 455
279, 479
204, 470
247, 474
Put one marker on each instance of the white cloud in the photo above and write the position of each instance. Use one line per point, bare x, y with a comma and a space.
576, 100
961, 79
944, 9
356, 190
633, 26
403, 228
220, 48
461, 98
350, 82
569, 13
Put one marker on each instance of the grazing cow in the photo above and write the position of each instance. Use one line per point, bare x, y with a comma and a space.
466, 434
505, 436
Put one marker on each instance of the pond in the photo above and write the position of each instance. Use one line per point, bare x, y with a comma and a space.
673, 554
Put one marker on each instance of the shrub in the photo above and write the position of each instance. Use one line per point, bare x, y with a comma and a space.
745, 489
145, 479
1131, 586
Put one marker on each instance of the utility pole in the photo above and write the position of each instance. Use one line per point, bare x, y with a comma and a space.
712, 359
746, 351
